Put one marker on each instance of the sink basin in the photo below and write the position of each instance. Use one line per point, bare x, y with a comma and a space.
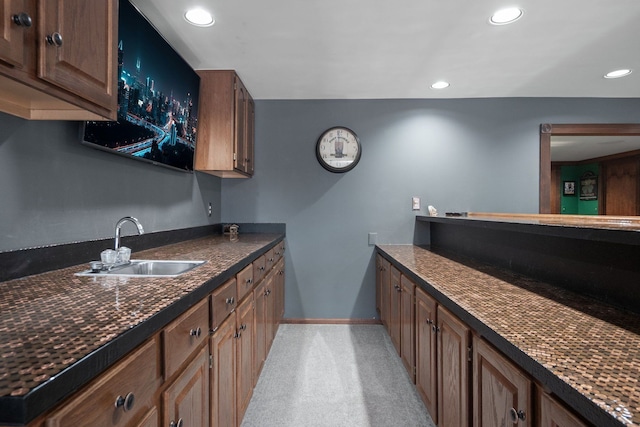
147, 268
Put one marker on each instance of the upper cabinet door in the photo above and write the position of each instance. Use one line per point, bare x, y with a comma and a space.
240, 125
78, 47
16, 24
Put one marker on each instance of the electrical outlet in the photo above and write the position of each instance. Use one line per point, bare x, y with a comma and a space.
415, 203
372, 238
210, 209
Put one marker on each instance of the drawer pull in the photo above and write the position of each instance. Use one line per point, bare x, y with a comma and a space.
435, 328
125, 402
517, 415
249, 281
237, 335
261, 268
267, 292
176, 424
22, 19
270, 259
243, 327
230, 300
54, 39
196, 332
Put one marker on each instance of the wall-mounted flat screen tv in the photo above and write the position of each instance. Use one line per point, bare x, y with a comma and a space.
157, 99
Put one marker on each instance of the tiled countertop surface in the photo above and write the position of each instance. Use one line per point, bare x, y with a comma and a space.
592, 347
50, 321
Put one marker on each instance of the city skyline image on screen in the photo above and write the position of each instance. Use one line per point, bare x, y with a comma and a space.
157, 99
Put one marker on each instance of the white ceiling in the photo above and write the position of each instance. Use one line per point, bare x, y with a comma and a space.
375, 49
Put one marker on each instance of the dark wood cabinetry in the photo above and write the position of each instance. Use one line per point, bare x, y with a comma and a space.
58, 59
407, 325
454, 369
393, 322
186, 400
426, 354
245, 330
552, 413
226, 126
501, 391
223, 381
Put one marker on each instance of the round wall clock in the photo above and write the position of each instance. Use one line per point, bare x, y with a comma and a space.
338, 149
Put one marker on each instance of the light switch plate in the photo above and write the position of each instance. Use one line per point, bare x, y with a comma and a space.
415, 203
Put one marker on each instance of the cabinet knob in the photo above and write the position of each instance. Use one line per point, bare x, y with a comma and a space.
230, 300
243, 327
22, 19
435, 328
176, 424
54, 39
517, 415
196, 332
261, 268
237, 335
429, 322
249, 281
125, 402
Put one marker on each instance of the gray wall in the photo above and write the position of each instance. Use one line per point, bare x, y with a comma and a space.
458, 155
55, 190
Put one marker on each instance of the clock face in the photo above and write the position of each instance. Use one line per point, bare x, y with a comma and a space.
338, 149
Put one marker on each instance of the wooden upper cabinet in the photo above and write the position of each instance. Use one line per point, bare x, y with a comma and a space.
225, 126
63, 64
501, 392
16, 25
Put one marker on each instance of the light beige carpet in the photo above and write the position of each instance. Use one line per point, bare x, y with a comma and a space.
334, 375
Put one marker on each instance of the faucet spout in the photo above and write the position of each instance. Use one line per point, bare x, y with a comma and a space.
119, 226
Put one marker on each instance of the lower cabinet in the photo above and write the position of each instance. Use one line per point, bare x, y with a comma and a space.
394, 308
245, 324
260, 336
552, 413
223, 381
124, 395
383, 283
407, 325
453, 344
501, 391
186, 400
426, 352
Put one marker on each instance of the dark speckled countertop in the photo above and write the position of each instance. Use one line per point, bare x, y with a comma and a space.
586, 352
59, 330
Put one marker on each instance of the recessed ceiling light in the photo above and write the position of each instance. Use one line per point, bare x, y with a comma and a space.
199, 17
617, 73
506, 16
440, 85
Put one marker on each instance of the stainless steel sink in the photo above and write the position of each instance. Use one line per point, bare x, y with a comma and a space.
147, 268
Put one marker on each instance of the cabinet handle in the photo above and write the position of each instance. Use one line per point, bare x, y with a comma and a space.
196, 332
54, 39
267, 292
243, 327
230, 300
270, 259
261, 268
176, 424
22, 19
429, 322
435, 328
249, 281
517, 415
125, 402
237, 335
281, 272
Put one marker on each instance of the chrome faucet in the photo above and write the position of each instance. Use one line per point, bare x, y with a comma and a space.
119, 226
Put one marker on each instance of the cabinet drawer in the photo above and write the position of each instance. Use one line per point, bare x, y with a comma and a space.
245, 281
270, 259
278, 251
223, 302
121, 396
259, 269
184, 335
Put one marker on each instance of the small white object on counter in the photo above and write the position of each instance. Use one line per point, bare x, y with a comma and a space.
432, 211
